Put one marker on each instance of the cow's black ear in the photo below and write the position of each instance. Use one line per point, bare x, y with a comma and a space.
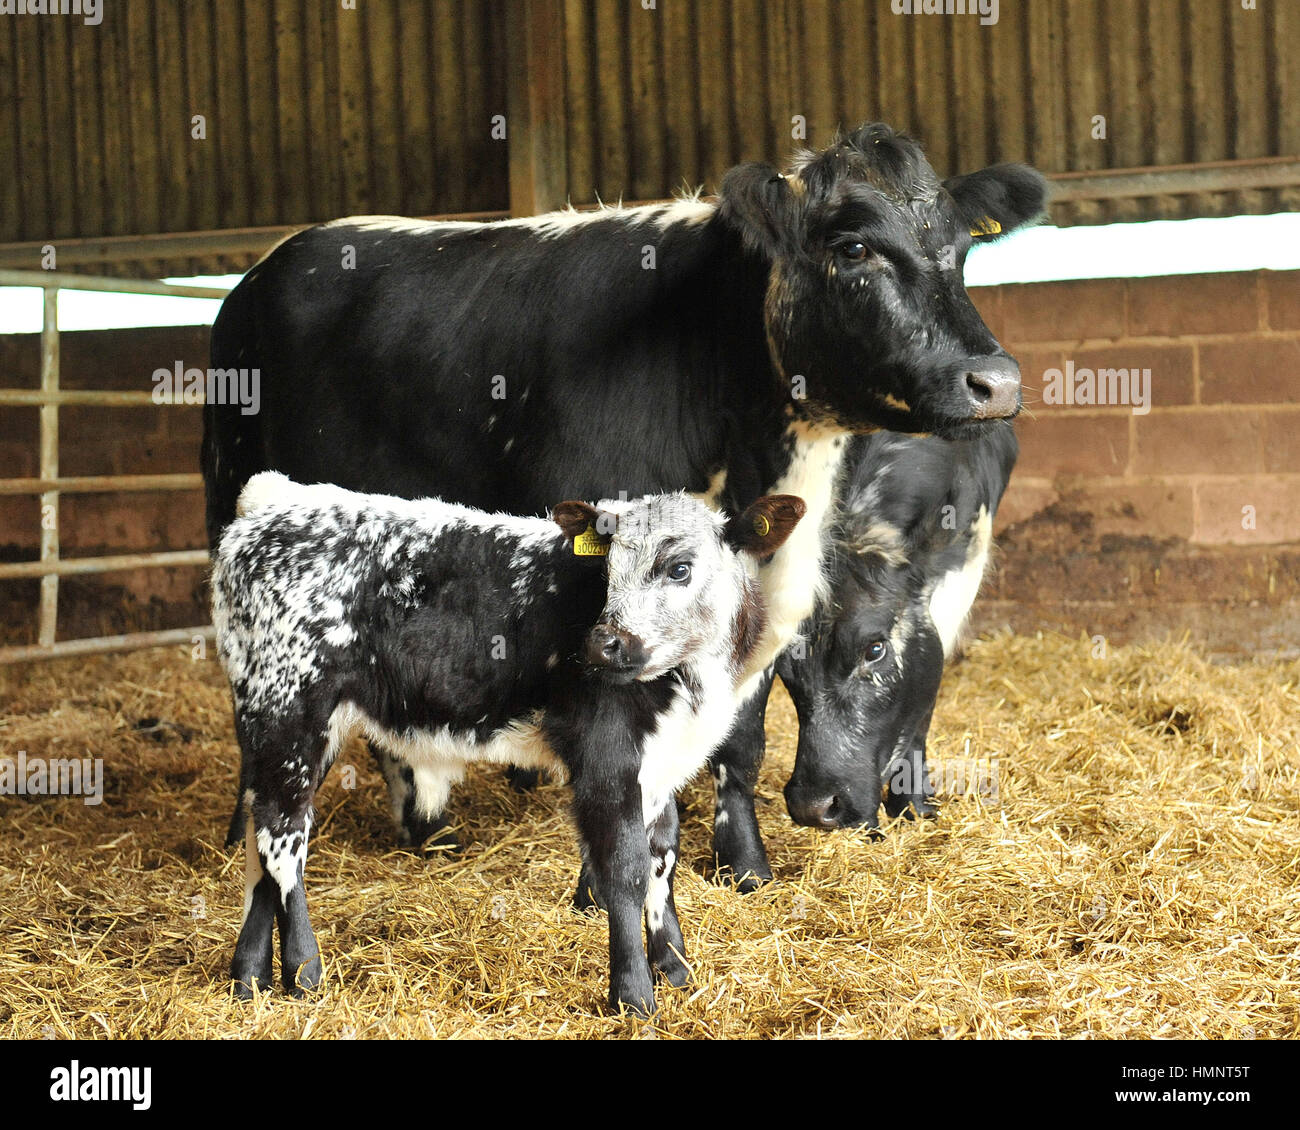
766, 523
998, 199
757, 201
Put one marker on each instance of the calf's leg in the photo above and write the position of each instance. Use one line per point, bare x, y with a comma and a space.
663, 932
737, 844
615, 849
251, 967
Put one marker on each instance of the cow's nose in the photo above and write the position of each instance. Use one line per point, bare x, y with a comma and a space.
814, 811
606, 647
614, 649
994, 390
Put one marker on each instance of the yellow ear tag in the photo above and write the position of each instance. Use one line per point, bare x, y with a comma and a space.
590, 544
762, 527
987, 226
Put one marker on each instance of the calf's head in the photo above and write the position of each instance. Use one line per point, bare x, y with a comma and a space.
865, 299
864, 681
681, 579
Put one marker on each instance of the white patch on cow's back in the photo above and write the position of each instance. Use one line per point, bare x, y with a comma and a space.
549, 225
951, 600
794, 581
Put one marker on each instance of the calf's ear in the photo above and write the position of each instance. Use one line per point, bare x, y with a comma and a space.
765, 524
998, 199
589, 529
757, 201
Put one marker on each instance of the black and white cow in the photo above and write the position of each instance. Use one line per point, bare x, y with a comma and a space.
727, 347
910, 547
450, 636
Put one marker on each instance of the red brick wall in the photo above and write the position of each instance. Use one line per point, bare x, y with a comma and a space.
1127, 524
1115, 524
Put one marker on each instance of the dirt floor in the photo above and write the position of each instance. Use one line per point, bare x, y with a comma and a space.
1117, 856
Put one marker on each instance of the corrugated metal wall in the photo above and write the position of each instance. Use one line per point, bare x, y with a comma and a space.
681, 92
311, 112
314, 111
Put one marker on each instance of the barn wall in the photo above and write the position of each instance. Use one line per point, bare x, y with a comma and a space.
1185, 517
313, 111
1126, 525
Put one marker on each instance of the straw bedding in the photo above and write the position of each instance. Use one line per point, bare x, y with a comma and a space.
1117, 856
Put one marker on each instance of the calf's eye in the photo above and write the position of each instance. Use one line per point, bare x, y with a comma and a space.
680, 573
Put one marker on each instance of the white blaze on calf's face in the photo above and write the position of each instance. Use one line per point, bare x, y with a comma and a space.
674, 583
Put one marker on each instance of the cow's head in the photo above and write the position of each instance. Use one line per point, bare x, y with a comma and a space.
863, 680
865, 298
681, 583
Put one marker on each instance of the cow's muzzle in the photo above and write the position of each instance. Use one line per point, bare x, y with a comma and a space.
993, 387
616, 654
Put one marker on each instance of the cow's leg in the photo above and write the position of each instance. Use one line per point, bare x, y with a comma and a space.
737, 844
251, 967
663, 932
417, 799
615, 848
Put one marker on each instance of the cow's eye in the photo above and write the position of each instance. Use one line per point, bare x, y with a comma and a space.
679, 572
854, 250
872, 656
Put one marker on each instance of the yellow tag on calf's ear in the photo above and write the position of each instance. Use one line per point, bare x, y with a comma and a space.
590, 544
762, 527
986, 226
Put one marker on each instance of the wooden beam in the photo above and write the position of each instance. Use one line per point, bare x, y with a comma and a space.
535, 107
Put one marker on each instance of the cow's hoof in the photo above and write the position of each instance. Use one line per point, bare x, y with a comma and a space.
244, 979
430, 836
746, 878
241, 988
635, 997
585, 900
673, 970
522, 780
302, 977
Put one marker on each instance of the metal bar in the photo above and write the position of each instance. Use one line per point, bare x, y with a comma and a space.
81, 566
1175, 180
100, 644
102, 398
52, 280
48, 616
173, 245
1268, 172
99, 484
